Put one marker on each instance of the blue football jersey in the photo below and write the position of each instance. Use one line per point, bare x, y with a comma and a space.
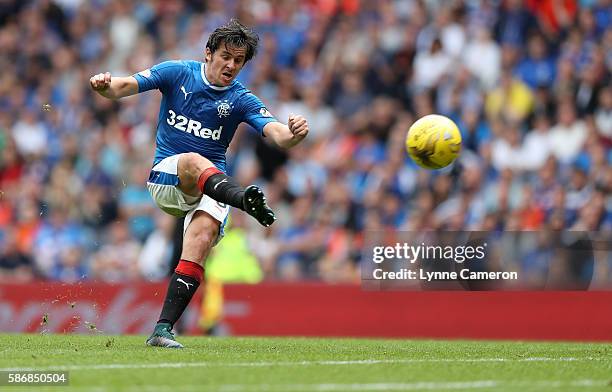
195, 116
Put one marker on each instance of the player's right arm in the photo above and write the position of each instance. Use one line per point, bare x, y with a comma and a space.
113, 87
162, 77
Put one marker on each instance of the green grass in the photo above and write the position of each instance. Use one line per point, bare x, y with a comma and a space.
300, 364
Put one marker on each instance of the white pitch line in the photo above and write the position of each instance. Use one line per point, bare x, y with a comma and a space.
296, 363
414, 386
357, 387
386, 386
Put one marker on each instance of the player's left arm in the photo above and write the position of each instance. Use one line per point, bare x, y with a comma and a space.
287, 136
257, 116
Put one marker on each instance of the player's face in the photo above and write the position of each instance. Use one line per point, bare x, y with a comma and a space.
223, 66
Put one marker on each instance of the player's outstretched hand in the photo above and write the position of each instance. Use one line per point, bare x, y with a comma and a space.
101, 81
298, 126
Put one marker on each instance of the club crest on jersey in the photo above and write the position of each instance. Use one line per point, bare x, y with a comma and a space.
224, 108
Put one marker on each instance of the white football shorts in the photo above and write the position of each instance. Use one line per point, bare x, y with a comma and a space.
163, 186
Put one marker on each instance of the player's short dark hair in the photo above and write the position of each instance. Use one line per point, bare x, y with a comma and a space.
234, 34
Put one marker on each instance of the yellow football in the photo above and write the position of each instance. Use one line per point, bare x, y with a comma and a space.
433, 141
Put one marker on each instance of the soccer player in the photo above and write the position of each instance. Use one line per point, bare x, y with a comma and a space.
202, 105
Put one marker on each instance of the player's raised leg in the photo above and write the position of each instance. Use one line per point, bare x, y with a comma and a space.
199, 238
198, 176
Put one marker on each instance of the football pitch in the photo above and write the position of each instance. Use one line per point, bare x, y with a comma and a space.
123, 363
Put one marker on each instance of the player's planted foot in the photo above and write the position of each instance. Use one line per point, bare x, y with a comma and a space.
163, 337
255, 205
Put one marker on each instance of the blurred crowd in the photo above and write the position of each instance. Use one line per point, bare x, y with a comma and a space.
527, 81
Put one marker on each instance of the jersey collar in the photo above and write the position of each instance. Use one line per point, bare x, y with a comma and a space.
206, 82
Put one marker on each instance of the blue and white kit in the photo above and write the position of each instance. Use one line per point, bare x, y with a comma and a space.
195, 116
